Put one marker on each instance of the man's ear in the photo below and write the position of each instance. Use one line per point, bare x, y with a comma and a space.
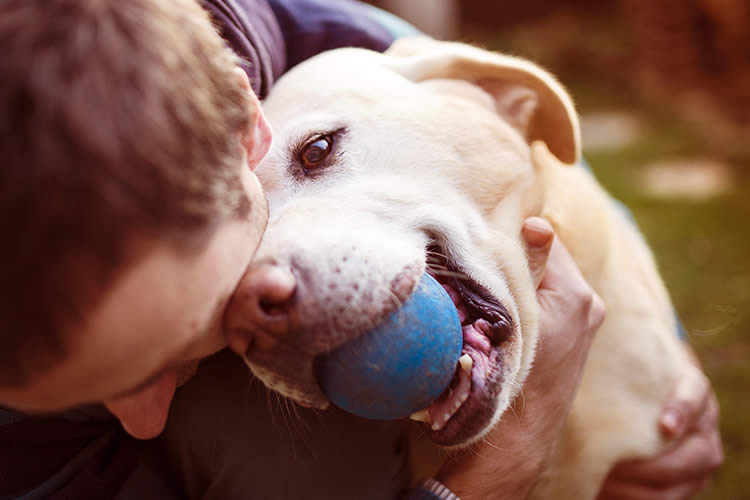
528, 97
257, 139
244, 83
242, 78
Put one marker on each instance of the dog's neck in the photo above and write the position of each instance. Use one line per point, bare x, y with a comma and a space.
577, 208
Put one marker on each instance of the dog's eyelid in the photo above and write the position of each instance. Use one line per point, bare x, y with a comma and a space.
335, 131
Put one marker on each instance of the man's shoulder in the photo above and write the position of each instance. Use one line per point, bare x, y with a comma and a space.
313, 26
250, 29
270, 36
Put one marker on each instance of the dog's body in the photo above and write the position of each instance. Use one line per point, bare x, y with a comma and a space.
636, 357
437, 145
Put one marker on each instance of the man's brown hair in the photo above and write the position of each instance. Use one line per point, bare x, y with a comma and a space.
119, 121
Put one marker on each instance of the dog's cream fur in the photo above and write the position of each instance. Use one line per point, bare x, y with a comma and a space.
454, 143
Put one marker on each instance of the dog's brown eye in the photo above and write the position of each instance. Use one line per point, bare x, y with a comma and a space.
316, 151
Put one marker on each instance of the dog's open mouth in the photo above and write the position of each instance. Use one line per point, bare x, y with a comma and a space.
466, 408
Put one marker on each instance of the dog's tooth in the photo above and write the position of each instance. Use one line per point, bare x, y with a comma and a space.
466, 362
436, 426
421, 416
458, 404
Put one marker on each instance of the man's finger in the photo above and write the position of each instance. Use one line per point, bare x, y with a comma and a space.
696, 458
615, 490
688, 403
539, 235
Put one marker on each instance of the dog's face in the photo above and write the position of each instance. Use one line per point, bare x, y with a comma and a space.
385, 166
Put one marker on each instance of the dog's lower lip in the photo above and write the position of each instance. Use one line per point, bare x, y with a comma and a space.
497, 332
476, 412
486, 325
482, 341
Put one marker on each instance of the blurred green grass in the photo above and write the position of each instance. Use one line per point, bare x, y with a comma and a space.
702, 248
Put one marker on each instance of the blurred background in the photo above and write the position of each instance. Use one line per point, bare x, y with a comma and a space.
663, 88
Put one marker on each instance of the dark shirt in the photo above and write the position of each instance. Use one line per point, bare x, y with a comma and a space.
313, 26
272, 36
243, 442
84, 453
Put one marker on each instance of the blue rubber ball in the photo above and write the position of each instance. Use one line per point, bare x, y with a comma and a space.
401, 366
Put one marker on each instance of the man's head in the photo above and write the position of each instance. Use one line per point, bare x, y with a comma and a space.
129, 211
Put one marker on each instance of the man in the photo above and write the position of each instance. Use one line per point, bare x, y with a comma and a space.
130, 214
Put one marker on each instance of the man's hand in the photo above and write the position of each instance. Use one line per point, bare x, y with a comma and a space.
685, 468
507, 463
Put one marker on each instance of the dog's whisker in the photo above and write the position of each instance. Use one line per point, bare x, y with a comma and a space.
436, 264
439, 257
451, 274
522, 397
436, 257
489, 443
438, 254
301, 420
280, 400
513, 411
281, 339
289, 421
270, 406
286, 411
442, 259
285, 408
398, 302
294, 418
475, 450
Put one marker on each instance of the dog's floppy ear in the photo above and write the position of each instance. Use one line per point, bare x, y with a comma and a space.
528, 97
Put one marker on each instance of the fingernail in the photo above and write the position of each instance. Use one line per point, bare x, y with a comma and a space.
671, 422
537, 231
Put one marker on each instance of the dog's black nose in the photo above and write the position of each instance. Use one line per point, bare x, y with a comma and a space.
259, 312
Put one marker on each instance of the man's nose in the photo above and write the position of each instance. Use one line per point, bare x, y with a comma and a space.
259, 314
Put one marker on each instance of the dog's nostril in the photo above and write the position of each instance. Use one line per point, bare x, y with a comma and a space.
274, 288
271, 309
260, 311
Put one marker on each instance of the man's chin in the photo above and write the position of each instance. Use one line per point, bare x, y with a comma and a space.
186, 372
143, 414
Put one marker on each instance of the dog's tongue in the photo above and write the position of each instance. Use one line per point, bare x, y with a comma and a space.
144, 413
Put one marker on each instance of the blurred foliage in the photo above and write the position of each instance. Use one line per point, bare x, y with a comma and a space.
691, 57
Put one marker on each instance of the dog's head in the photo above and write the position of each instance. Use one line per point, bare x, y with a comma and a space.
384, 166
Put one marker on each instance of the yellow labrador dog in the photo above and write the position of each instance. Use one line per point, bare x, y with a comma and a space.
427, 159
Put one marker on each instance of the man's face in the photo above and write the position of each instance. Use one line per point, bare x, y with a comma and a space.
160, 317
